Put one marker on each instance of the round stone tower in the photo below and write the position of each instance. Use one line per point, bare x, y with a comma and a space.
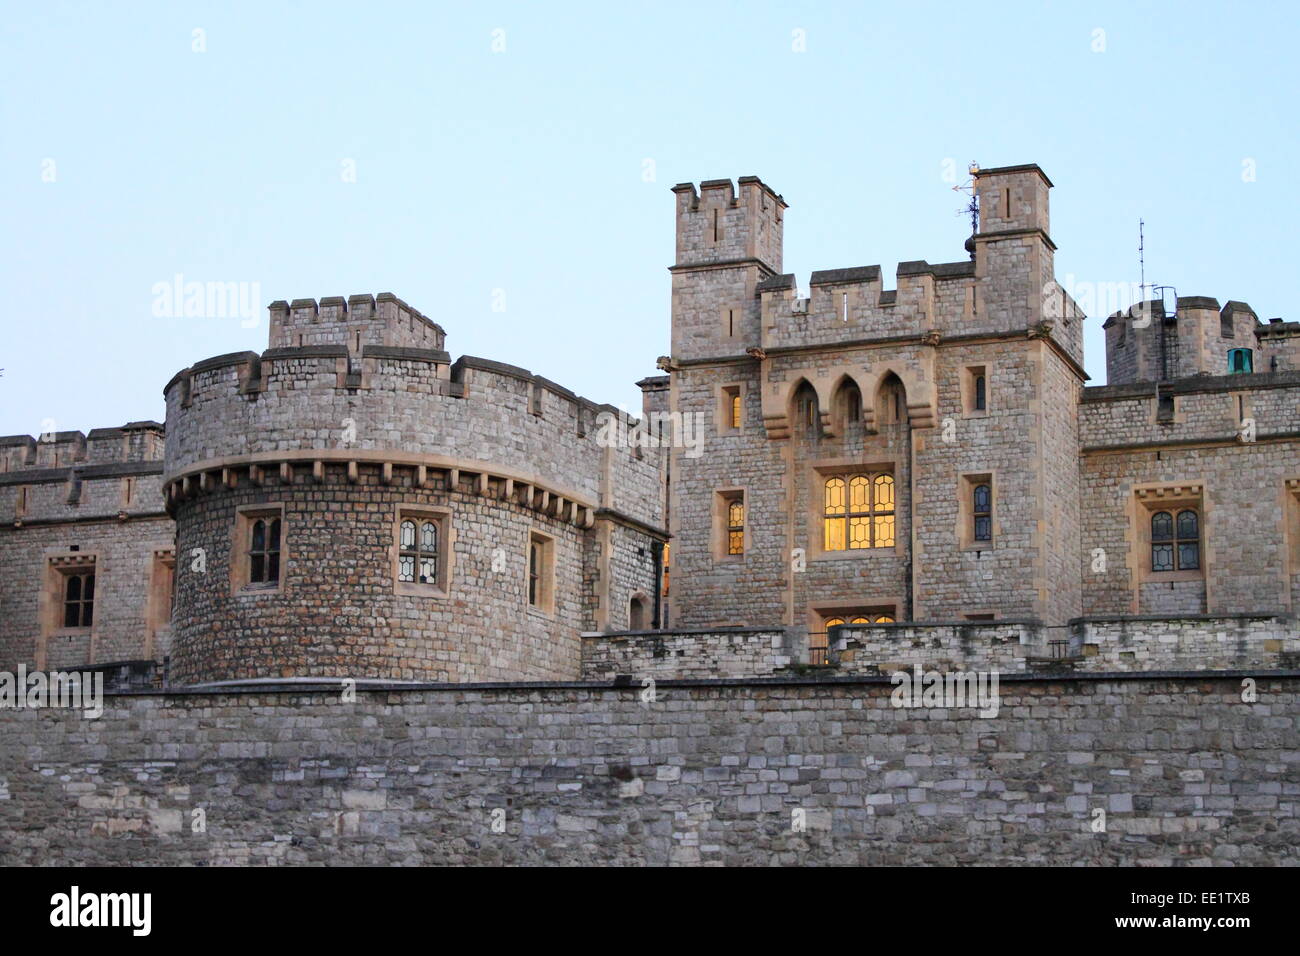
351, 503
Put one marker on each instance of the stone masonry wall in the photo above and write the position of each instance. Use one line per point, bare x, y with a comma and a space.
339, 612
671, 655
1193, 642
709, 773
100, 494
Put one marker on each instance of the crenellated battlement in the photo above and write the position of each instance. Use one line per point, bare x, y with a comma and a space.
1151, 342
354, 323
403, 404
132, 442
722, 223
728, 300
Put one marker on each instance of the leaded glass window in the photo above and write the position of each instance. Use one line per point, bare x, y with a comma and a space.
417, 557
858, 512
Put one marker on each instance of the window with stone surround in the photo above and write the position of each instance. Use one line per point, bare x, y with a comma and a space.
1176, 540
732, 411
736, 526
421, 551
822, 619
729, 524
259, 548
1169, 528
858, 511
1292, 515
975, 390
976, 515
162, 584
69, 594
540, 584
79, 597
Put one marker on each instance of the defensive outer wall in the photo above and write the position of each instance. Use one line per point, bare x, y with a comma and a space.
1175, 769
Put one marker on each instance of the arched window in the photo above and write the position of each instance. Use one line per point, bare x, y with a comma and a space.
735, 410
863, 618
1176, 541
264, 551
736, 526
982, 512
1239, 361
858, 512
417, 559
981, 397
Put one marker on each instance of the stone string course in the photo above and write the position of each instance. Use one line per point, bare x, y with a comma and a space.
711, 773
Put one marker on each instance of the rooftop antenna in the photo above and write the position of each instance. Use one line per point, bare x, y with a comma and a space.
972, 208
1142, 262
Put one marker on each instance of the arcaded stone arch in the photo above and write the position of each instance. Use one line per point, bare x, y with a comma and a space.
806, 410
890, 401
847, 404
918, 394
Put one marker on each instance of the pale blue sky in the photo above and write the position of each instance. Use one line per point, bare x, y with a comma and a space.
523, 170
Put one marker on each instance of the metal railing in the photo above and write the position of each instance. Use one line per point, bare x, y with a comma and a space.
819, 652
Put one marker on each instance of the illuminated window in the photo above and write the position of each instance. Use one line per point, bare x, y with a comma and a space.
79, 599
1176, 541
865, 617
858, 512
732, 408
736, 526
667, 556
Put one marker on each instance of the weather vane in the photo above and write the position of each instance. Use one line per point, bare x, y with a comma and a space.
972, 208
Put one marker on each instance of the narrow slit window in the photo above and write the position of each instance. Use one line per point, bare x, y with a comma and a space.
736, 526
982, 512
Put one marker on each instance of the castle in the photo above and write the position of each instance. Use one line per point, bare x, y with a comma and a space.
921, 467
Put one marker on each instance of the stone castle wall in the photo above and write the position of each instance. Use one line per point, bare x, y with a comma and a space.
677, 655
74, 496
344, 436
800, 771
339, 611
